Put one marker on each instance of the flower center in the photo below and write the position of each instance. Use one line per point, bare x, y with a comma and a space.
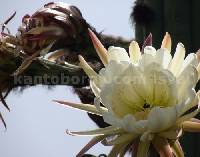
146, 105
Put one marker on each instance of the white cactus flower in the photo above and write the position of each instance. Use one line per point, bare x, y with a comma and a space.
147, 95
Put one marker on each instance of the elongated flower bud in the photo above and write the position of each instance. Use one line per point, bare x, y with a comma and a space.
54, 22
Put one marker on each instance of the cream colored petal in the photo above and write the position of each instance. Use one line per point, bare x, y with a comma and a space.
111, 73
191, 101
124, 94
95, 89
106, 96
186, 114
135, 84
148, 57
198, 70
160, 119
128, 123
115, 101
177, 61
129, 88
163, 57
112, 119
98, 106
150, 50
160, 87
114, 96
134, 52
190, 60
138, 127
118, 54
186, 82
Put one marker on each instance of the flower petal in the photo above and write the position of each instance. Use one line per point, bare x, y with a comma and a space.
190, 60
134, 52
143, 149
124, 138
130, 124
171, 134
150, 50
94, 88
162, 146
160, 86
177, 60
101, 51
117, 54
177, 149
148, 57
147, 42
85, 107
163, 57
115, 98
186, 81
86, 67
111, 73
115, 150
160, 119
167, 43
110, 130
191, 126
111, 119
124, 150
189, 108
90, 144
